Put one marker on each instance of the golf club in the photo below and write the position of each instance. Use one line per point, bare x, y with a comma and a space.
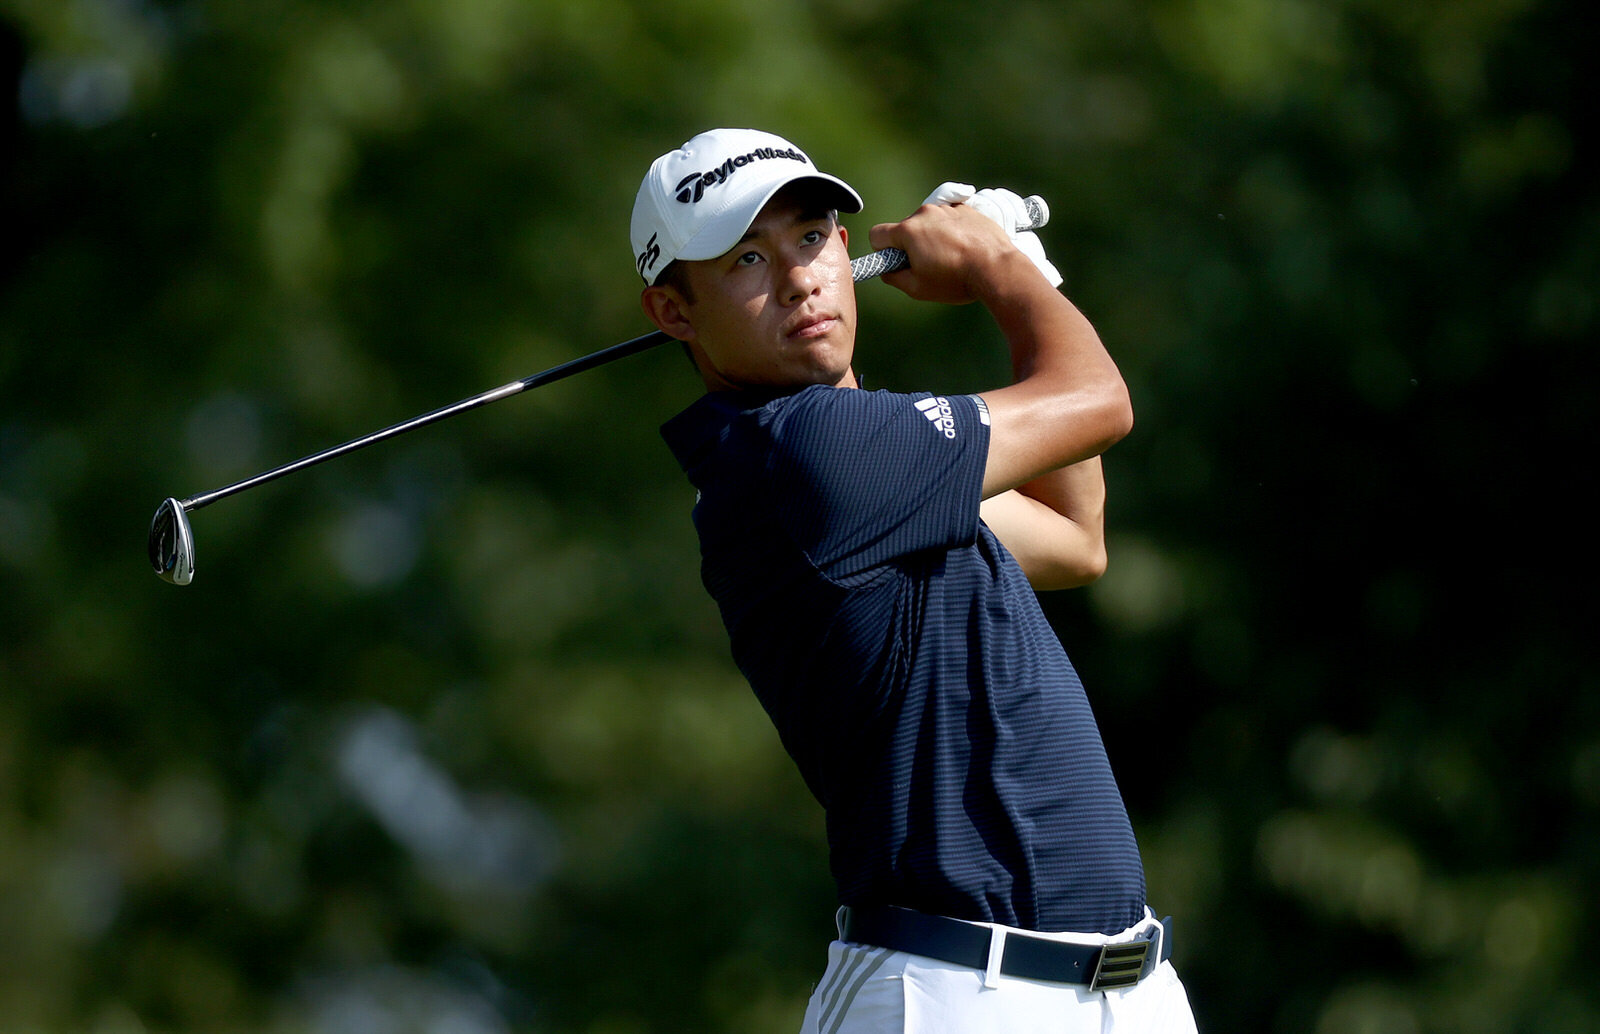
171, 542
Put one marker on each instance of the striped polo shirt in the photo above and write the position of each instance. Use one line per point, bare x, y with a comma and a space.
904, 659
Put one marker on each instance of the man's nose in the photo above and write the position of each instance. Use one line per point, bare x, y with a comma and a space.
800, 281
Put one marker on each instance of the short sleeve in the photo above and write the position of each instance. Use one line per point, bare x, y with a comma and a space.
861, 478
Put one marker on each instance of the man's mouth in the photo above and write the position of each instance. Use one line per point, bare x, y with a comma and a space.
813, 327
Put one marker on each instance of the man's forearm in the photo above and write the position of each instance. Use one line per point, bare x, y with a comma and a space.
1076, 492
1067, 403
1054, 525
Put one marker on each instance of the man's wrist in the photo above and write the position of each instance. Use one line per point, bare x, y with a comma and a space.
1006, 278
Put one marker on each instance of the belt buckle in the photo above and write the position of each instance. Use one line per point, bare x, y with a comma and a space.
1119, 965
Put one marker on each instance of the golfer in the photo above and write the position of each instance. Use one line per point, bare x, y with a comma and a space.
875, 557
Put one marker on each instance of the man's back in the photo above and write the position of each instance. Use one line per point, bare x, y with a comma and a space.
904, 659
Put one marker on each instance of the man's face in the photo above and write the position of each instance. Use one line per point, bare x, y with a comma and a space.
779, 308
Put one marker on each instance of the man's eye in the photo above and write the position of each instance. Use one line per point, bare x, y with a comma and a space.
814, 237
749, 258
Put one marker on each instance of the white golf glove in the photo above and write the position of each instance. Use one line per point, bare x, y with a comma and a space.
1006, 208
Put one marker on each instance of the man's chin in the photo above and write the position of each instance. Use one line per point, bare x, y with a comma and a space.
831, 375
829, 364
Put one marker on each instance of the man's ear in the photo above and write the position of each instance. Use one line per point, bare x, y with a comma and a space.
666, 309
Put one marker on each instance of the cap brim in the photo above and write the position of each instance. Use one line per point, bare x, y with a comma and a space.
723, 230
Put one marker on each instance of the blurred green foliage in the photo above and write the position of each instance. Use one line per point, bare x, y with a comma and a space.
444, 737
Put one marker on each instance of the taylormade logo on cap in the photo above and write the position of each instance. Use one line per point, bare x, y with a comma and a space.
696, 202
693, 186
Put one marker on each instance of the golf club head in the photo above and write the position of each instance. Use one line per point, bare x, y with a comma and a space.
172, 544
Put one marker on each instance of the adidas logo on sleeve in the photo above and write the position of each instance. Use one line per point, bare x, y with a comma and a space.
937, 410
939, 414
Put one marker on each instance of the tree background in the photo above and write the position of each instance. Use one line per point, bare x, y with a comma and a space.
445, 738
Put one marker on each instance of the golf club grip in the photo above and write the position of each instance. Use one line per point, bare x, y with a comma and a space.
890, 259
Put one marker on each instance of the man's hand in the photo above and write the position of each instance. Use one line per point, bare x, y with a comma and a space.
1005, 207
954, 251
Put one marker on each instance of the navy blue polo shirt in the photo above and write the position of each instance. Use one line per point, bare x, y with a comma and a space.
904, 659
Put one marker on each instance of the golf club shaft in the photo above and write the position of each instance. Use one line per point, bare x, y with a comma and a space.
555, 373
866, 267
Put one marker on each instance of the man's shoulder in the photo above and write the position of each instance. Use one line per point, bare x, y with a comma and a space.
730, 423
725, 407
819, 402
815, 421
794, 416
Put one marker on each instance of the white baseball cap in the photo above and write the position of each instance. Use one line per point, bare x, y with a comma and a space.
696, 202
